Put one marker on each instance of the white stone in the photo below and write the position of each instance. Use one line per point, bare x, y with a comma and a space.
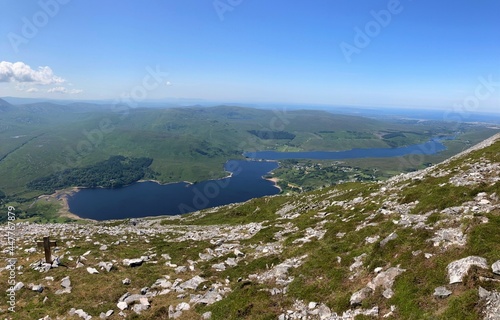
358, 297
92, 270
484, 202
18, 286
390, 237
138, 308
496, 267
192, 283
144, 301
37, 288
183, 306
442, 292
385, 279
231, 262
82, 314
219, 267
122, 305
207, 315
66, 282
105, 265
180, 269
372, 239
388, 293
133, 262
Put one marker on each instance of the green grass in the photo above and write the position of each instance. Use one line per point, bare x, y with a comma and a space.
244, 213
433, 195
484, 239
247, 301
463, 307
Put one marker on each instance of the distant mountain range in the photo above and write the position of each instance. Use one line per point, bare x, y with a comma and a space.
439, 114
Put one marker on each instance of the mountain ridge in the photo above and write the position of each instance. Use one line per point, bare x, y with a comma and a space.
4, 105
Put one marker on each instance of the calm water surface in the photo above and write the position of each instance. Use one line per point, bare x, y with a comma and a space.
151, 199
431, 147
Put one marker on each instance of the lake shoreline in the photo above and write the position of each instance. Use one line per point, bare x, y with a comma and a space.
275, 181
170, 201
62, 197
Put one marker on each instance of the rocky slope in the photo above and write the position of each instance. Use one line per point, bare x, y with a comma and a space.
424, 245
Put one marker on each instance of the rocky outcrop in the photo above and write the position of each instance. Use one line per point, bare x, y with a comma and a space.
458, 269
447, 237
492, 303
384, 279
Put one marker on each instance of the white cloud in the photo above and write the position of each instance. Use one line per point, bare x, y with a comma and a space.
22, 73
63, 90
27, 79
58, 90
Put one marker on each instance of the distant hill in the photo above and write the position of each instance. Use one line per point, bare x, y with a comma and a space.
4, 106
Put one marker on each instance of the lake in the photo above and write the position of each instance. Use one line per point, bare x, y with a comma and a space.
431, 147
152, 199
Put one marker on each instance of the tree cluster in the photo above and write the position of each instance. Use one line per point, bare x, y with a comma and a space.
115, 172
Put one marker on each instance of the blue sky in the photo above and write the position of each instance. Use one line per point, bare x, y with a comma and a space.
420, 53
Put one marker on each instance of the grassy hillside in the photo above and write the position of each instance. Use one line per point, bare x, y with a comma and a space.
364, 250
